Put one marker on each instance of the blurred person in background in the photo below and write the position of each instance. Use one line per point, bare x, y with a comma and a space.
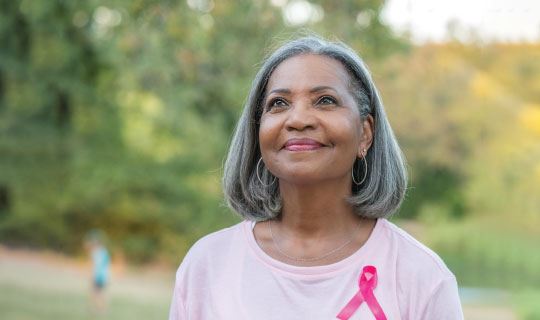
314, 170
100, 270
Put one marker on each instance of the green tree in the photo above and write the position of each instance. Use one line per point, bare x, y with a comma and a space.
117, 115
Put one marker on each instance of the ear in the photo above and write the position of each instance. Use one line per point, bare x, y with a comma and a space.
366, 139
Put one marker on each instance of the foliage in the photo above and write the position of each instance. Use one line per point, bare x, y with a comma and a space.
117, 115
468, 119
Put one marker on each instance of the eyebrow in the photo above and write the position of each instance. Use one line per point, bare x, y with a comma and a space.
314, 89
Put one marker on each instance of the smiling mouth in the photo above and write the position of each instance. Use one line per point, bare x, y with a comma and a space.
302, 145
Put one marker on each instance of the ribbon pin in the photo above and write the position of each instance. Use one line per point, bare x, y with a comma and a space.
367, 283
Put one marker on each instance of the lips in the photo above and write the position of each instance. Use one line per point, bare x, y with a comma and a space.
304, 144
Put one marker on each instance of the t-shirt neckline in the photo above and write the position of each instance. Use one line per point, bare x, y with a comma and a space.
313, 271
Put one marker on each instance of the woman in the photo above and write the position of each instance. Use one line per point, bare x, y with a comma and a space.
314, 169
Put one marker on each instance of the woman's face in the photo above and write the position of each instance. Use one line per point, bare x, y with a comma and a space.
310, 128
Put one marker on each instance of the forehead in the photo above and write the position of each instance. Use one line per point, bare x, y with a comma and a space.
309, 70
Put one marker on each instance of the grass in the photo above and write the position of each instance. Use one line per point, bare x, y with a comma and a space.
486, 253
34, 289
527, 303
18, 303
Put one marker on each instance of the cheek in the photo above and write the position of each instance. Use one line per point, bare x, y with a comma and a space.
348, 129
348, 134
268, 133
263, 134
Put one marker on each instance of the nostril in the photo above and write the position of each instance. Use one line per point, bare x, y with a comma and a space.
299, 126
300, 120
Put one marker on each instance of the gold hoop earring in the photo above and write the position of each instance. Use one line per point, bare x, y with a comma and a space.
365, 170
259, 177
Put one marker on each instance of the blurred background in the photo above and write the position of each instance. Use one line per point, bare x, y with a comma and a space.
116, 116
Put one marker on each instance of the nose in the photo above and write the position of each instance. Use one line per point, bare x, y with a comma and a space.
301, 117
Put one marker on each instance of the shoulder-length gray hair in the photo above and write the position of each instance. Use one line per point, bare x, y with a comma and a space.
381, 193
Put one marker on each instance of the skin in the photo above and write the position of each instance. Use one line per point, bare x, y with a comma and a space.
308, 97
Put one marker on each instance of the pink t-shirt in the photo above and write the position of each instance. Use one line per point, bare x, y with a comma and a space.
226, 275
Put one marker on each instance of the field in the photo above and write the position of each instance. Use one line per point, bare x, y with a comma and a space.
498, 262
46, 287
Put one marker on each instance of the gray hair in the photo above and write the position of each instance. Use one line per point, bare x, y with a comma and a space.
383, 190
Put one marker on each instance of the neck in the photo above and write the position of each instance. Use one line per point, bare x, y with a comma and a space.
316, 211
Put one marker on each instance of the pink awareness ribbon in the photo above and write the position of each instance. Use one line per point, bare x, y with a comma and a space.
367, 283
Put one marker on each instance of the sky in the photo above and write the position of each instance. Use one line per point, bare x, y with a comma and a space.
427, 20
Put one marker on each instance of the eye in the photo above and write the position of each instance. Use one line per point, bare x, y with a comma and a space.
327, 100
276, 103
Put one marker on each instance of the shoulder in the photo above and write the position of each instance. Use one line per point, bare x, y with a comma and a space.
206, 260
412, 255
420, 276
217, 238
213, 247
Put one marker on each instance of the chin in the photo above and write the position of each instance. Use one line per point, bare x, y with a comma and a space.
299, 177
